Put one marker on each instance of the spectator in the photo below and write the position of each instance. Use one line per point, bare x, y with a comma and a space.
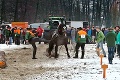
99, 39
89, 31
13, 34
73, 32
116, 30
103, 30
17, 36
68, 32
93, 34
110, 40
23, 32
118, 43
10, 38
39, 32
106, 31
7, 35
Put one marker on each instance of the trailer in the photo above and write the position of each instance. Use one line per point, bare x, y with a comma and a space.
20, 24
77, 24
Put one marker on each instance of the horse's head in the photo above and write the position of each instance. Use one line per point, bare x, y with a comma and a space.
61, 29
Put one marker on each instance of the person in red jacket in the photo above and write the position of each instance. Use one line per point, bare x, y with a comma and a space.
39, 32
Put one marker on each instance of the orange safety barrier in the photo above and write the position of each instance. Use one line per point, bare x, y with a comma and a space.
101, 57
104, 66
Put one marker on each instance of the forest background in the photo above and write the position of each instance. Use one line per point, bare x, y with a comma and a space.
96, 12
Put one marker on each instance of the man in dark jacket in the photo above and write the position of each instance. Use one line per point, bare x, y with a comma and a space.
8, 34
110, 40
93, 34
80, 42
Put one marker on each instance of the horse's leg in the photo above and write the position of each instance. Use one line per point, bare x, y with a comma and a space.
49, 53
56, 49
67, 50
51, 46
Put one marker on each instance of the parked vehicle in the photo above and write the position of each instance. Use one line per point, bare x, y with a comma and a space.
55, 21
3, 26
53, 25
77, 24
43, 25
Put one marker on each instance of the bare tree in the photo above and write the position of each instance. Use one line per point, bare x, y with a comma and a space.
3, 18
16, 11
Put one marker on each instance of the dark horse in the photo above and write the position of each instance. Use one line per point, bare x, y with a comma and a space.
58, 39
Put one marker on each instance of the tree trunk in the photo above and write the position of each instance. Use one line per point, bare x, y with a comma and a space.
24, 15
16, 11
36, 13
2, 11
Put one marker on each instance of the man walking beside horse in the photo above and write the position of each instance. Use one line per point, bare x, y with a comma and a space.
80, 42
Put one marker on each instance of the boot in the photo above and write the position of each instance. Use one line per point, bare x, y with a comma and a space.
82, 54
76, 55
110, 61
34, 56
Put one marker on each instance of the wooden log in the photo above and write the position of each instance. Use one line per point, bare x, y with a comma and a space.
2, 59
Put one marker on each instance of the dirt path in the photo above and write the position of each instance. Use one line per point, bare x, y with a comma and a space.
21, 66
20, 63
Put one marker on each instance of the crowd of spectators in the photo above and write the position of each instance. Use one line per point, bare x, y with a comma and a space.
16, 35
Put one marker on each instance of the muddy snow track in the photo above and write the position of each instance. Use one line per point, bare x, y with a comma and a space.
22, 67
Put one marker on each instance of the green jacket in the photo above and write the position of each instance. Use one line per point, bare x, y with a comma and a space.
28, 35
100, 36
7, 33
110, 39
82, 36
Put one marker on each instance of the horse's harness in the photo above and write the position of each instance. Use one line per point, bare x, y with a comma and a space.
58, 32
55, 35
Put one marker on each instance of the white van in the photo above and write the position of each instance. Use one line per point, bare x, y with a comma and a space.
43, 25
4, 25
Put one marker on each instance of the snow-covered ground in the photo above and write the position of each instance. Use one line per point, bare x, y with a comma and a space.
62, 68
